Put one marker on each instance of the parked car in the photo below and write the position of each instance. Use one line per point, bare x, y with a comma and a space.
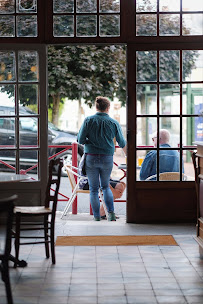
28, 137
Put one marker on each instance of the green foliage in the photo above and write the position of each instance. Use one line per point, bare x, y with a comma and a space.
86, 72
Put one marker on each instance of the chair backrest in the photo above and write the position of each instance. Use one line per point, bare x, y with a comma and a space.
6, 210
53, 183
71, 177
170, 176
167, 176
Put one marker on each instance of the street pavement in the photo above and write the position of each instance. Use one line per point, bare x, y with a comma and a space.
83, 199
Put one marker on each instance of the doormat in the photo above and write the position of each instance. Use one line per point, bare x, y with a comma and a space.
117, 240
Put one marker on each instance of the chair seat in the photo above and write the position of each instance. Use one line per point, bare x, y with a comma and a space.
32, 210
83, 191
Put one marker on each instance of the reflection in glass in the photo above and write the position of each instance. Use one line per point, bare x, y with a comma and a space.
146, 100
193, 98
172, 124
109, 26
107, 6
146, 126
146, 65
63, 6
7, 6
7, 66
63, 26
7, 97
169, 65
146, 6
88, 6
86, 26
26, 26
26, 6
196, 5
193, 24
28, 96
169, 25
169, 5
169, 99
146, 25
192, 65
28, 66
7, 26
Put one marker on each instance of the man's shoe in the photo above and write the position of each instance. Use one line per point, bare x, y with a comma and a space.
103, 217
97, 218
111, 216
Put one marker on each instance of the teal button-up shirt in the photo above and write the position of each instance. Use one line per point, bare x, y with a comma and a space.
97, 133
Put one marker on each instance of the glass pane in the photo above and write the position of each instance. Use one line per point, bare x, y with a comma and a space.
107, 6
7, 160
28, 127
193, 65
7, 99
7, 26
146, 99
169, 66
7, 66
7, 6
28, 96
63, 6
26, 26
146, 25
141, 154
86, 26
28, 66
26, 6
172, 124
7, 131
109, 26
146, 6
169, 25
88, 6
169, 5
193, 24
146, 126
169, 96
193, 99
189, 174
195, 5
28, 159
146, 65
63, 26
198, 124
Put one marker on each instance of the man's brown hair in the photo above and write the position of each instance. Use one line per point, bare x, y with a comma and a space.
102, 103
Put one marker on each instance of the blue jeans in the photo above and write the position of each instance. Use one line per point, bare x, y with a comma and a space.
98, 169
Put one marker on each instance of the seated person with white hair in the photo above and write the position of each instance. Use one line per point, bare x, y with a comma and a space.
169, 160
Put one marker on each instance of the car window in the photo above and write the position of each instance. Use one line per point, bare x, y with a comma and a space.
7, 124
28, 124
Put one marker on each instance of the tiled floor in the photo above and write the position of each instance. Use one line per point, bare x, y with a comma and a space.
102, 275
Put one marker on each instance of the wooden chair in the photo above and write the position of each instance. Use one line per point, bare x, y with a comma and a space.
168, 176
46, 212
6, 210
76, 190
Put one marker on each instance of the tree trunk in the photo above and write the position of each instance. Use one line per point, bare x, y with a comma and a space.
80, 112
55, 111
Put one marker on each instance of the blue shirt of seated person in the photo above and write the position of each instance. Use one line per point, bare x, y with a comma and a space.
169, 160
